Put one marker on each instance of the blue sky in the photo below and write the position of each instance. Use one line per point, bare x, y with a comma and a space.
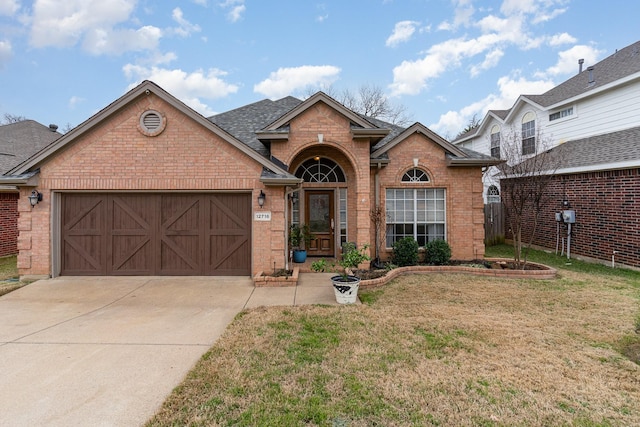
61, 61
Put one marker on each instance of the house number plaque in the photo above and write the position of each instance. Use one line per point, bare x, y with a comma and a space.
262, 216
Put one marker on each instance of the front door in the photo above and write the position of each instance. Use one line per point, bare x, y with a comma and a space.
319, 217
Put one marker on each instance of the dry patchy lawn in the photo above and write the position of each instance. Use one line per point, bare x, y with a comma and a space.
442, 350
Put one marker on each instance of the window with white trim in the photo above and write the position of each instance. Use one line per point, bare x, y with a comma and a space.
342, 212
415, 175
561, 114
529, 134
495, 141
320, 169
415, 212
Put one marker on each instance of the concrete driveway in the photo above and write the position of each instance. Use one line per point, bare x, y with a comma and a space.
108, 351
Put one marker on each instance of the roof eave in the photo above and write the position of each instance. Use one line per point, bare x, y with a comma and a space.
144, 89
378, 162
30, 179
280, 181
272, 136
457, 162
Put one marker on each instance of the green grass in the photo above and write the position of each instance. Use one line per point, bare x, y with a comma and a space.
8, 269
561, 262
431, 350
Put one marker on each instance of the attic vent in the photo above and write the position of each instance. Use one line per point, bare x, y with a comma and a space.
152, 123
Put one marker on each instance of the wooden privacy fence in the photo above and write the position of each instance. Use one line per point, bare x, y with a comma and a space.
493, 224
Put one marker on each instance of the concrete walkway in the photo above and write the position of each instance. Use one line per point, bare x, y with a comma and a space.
107, 351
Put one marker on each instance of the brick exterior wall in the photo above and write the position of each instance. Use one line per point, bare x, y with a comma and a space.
8, 223
114, 155
464, 203
607, 215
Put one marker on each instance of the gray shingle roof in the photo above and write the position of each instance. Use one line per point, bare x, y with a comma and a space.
614, 147
244, 122
21, 140
621, 64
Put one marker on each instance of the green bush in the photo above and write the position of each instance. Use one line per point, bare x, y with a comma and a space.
405, 252
437, 252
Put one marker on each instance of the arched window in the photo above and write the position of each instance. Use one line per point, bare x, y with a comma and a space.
415, 175
529, 133
495, 141
493, 194
319, 169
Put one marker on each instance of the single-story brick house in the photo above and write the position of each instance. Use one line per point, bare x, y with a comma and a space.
18, 142
147, 186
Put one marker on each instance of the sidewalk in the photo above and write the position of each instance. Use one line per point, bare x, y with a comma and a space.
313, 288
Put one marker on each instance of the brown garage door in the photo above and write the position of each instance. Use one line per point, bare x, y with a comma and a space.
156, 234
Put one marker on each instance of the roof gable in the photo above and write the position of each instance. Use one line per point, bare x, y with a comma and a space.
143, 89
355, 118
421, 129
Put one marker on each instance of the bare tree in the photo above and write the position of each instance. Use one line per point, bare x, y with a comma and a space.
524, 182
474, 122
12, 118
371, 101
378, 217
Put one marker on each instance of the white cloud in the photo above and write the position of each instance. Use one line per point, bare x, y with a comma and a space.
185, 28
568, 60
509, 89
497, 33
491, 59
9, 7
6, 52
98, 25
463, 15
410, 77
114, 42
286, 81
323, 15
560, 39
190, 88
235, 9
402, 32
75, 100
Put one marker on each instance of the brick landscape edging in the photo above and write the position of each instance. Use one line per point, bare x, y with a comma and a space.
259, 280
545, 272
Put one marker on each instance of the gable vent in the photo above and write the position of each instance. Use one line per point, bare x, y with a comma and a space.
152, 123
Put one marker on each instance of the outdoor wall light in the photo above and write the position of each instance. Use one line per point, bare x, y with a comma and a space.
35, 198
261, 198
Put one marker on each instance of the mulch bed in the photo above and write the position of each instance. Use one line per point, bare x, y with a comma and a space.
374, 273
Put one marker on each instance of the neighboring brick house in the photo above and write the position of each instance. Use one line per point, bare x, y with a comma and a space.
147, 186
593, 122
18, 142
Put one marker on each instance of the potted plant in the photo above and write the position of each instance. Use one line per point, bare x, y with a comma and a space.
300, 238
346, 285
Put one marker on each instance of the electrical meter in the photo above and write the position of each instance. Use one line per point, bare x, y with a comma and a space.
569, 217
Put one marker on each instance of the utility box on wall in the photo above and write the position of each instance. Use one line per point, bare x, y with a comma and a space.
569, 217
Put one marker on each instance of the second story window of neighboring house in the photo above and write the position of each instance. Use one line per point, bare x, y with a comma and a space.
560, 114
495, 142
529, 134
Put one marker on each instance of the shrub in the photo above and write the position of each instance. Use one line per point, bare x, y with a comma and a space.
437, 252
405, 252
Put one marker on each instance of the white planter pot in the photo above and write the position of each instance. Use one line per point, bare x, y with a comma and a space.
346, 291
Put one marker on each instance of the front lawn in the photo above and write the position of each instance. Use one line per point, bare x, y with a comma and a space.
8, 275
441, 350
